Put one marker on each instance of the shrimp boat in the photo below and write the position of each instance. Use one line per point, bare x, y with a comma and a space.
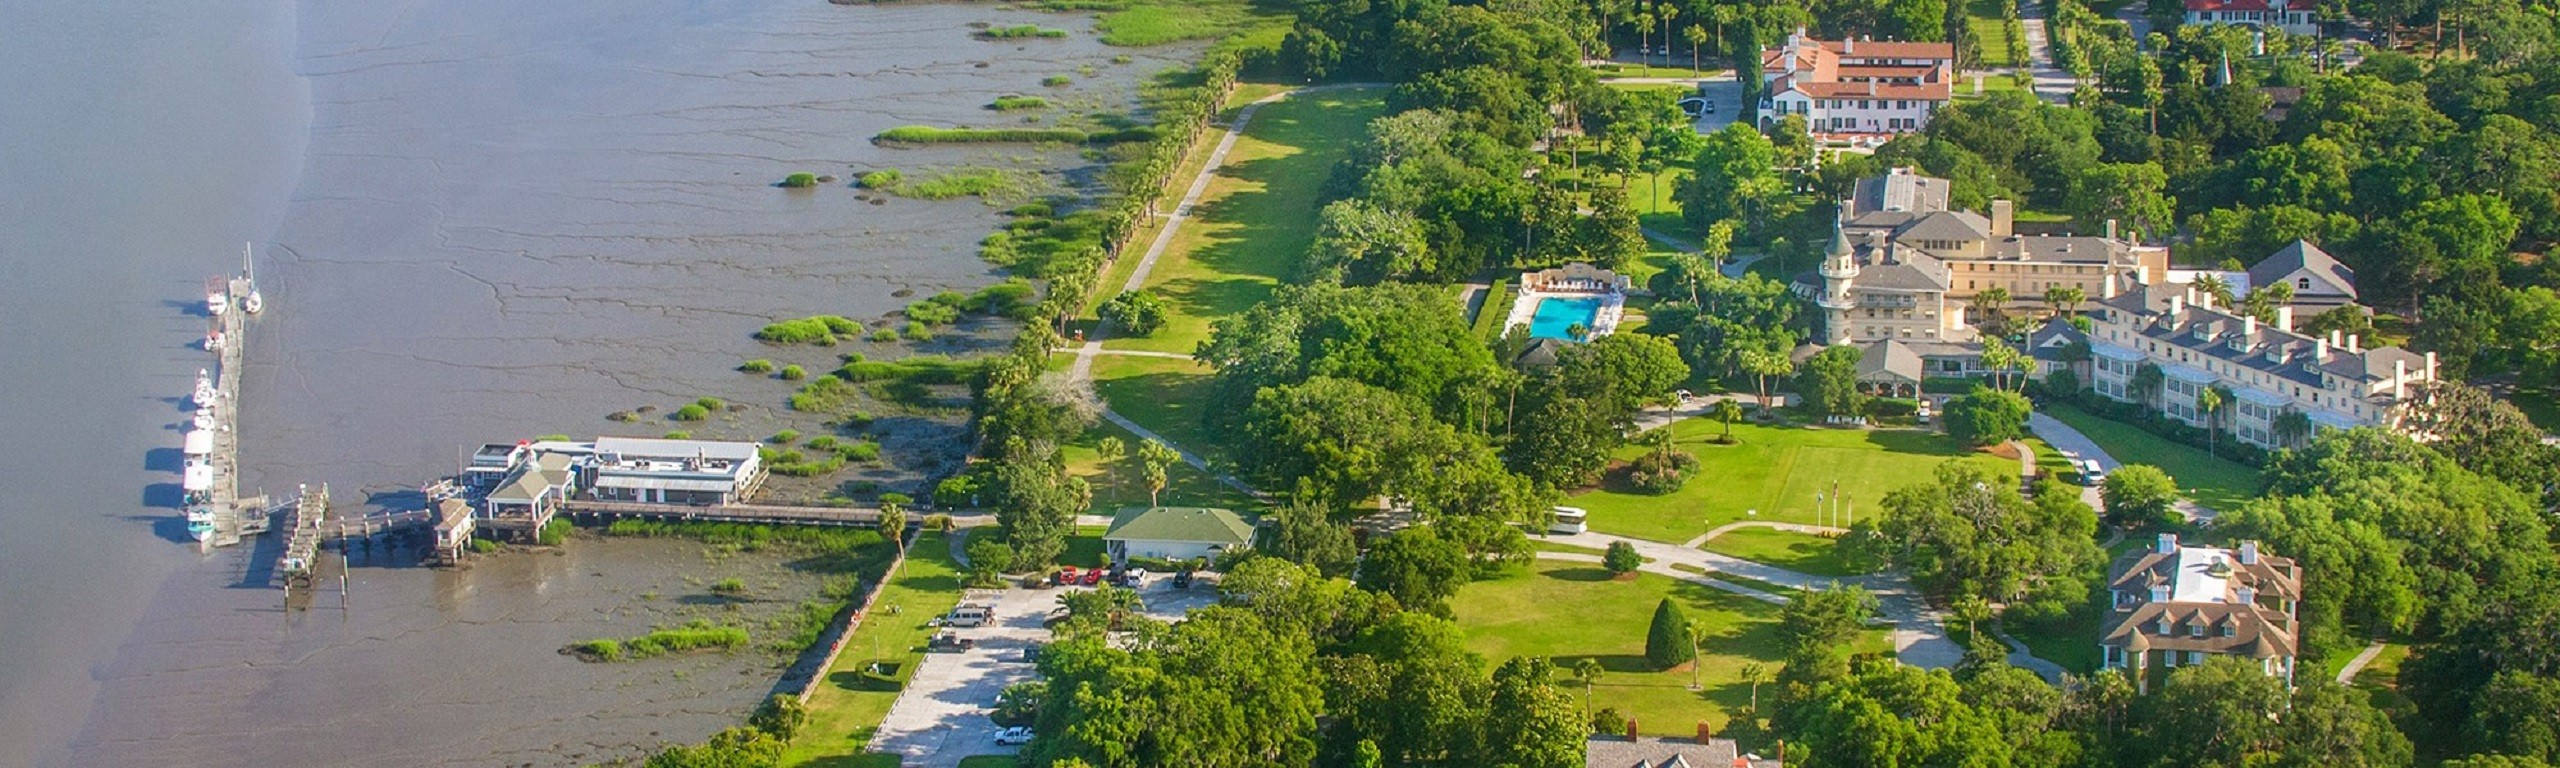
217, 296
252, 302
205, 394
213, 339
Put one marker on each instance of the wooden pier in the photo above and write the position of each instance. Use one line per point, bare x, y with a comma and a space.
303, 532
234, 518
856, 517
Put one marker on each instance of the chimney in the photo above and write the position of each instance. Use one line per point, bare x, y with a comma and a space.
2431, 366
2168, 544
2177, 304
1705, 734
2337, 338
2321, 352
1631, 729
2111, 229
2284, 318
2004, 217
2249, 552
2245, 596
2399, 377
2249, 326
1848, 45
2108, 291
2353, 347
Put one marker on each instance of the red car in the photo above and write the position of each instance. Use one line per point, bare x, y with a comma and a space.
1092, 577
1067, 575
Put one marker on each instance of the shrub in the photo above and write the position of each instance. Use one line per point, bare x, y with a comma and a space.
1661, 472
884, 336
1138, 312
2139, 495
793, 373
729, 586
1057, 81
1621, 558
897, 498
484, 546
785, 437
1666, 643
801, 180
1011, 103
756, 366
1988, 417
690, 412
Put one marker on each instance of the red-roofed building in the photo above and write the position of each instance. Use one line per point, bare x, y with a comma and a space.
1855, 86
2292, 16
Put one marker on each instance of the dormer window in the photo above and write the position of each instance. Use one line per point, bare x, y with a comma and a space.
2195, 630
2228, 630
2164, 627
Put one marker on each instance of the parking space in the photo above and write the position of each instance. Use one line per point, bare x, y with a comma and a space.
1726, 94
941, 717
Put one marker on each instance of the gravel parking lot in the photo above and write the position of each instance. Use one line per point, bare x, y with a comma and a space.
941, 717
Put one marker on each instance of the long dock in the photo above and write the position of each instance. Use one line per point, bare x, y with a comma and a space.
863, 517
234, 517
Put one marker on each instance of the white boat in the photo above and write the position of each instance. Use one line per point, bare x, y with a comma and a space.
204, 421
198, 480
199, 442
213, 340
217, 297
200, 522
205, 393
253, 302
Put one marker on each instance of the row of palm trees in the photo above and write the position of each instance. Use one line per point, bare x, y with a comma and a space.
2214, 403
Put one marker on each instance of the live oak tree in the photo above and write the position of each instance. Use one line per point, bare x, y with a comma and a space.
2140, 496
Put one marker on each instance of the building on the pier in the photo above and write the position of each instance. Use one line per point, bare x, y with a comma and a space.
530, 492
698, 472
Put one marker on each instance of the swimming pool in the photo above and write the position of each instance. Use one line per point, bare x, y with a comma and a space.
1556, 315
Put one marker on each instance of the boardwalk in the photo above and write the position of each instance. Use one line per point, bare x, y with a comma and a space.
864, 517
231, 519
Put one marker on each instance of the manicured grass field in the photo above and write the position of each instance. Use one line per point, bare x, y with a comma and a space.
1162, 394
1121, 486
852, 699
1568, 611
2220, 484
1254, 223
1800, 552
1776, 471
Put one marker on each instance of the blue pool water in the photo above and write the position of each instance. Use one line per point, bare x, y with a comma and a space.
1556, 314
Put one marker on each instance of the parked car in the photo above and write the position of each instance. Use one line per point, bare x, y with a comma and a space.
1031, 653
949, 642
1570, 520
1067, 576
1132, 578
1182, 580
1014, 736
970, 615
2091, 473
1092, 577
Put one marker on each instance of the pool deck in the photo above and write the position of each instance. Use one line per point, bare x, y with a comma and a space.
1604, 321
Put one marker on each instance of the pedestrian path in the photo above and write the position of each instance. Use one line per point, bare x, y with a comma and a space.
2355, 666
1919, 634
2070, 441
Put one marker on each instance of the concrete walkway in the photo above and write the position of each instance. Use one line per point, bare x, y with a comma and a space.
2051, 82
1919, 634
1817, 530
2020, 657
2355, 666
1662, 569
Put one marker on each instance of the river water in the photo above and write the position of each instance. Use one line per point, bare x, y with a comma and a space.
475, 221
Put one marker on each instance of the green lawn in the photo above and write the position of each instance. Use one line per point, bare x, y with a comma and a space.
2072, 644
2539, 407
1162, 394
1569, 611
853, 698
2220, 484
1256, 219
1707, 65
1775, 471
1121, 486
1799, 552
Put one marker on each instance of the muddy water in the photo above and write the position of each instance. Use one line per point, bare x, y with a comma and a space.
494, 220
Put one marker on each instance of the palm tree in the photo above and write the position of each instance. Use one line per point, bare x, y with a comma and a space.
2065, 298
893, 522
1726, 410
1755, 674
1697, 35
2146, 383
2291, 427
1588, 670
1972, 608
1763, 364
1999, 358
2209, 403
1667, 12
2213, 285
1156, 458
1988, 309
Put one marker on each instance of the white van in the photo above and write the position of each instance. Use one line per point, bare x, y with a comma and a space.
970, 615
2091, 473
1570, 520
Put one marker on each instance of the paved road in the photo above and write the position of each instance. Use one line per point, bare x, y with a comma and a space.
2071, 441
2020, 657
2051, 82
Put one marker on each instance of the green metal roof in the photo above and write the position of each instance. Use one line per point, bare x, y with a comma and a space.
1207, 525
